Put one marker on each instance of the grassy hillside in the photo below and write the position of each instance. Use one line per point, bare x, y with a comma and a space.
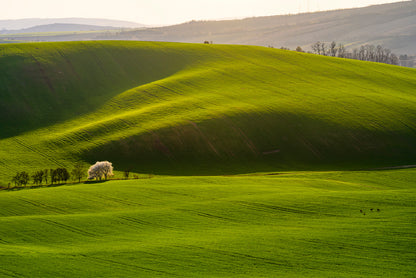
43, 84
200, 109
289, 225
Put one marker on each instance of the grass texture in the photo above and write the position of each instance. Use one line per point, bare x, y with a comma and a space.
171, 108
194, 109
303, 224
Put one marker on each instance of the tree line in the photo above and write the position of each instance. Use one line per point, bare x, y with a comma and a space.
367, 52
98, 171
49, 176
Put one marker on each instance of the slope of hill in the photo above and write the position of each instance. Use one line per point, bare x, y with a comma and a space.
392, 25
194, 108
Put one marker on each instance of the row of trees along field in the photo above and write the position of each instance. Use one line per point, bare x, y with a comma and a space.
98, 171
366, 52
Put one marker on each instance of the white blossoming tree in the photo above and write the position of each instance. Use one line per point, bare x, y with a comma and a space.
100, 169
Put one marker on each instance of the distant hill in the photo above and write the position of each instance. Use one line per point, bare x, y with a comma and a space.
391, 25
18, 24
200, 109
59, 27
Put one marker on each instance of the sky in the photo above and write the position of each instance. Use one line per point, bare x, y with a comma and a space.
167, 12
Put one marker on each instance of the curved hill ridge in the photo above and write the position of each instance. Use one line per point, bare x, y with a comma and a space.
206, 109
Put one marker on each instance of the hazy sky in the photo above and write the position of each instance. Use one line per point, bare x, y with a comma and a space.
163, 12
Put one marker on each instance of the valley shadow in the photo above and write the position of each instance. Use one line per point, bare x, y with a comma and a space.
258, 142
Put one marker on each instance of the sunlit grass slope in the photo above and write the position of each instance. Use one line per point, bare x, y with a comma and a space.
200, 109
289, 225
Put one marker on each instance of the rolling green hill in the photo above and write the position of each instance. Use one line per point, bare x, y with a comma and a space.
174, 108
190, 109
288, 225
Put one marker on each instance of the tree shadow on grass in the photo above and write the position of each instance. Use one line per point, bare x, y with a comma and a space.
50, 185
95, 181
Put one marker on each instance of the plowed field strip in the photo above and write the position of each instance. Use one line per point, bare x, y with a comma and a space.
67, 227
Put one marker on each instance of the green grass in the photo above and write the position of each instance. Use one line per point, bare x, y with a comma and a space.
188, 109
194, 109
304, 224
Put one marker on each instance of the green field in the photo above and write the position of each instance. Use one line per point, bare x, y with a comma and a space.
263, 162
169, 108
288, 225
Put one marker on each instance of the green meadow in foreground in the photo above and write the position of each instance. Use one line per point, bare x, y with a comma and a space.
304, 224
170, 108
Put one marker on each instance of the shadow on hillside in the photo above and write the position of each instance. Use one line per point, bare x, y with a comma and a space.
105, 70
258, 142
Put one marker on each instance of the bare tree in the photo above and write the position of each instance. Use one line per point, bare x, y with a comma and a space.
316, 47
366, 52
342, 52
371, 53
379, 54
386, 57
333, 49
362, 53
323, 49
354, 54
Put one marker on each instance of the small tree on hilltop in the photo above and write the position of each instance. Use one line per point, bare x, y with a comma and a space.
100, 169
316, 47
333, 49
